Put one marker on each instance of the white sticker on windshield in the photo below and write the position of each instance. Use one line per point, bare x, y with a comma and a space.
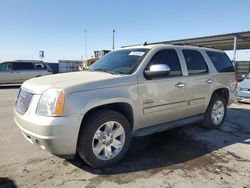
137, 53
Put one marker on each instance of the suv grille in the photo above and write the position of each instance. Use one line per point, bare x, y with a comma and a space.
23, 101
245, 89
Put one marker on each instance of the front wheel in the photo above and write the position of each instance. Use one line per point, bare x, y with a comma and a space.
216, 112
104, 138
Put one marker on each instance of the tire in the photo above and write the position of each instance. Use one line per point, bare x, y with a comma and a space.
92, 134
209, 121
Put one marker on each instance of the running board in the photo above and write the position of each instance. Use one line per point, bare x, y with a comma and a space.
167, 126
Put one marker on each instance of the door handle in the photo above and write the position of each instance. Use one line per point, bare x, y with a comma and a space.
180, 85
209, 81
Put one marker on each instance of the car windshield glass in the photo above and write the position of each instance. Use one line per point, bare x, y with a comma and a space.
248, 76
120, 61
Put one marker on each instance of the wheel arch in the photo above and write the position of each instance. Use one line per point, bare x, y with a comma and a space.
124, 108
223, 92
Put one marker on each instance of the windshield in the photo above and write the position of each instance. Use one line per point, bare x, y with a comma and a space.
120, 62
248, 76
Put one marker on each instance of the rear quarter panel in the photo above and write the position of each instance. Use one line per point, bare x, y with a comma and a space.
228, 81
221, 80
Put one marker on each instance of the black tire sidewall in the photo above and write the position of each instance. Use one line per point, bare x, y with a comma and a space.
93, 122
208, 115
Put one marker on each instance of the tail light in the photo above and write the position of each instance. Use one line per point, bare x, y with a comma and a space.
236, 82
49, 70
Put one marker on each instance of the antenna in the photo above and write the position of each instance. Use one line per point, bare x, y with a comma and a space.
145, 43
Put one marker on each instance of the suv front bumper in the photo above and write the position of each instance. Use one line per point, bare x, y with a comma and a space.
243, 99
58, 135
243, 96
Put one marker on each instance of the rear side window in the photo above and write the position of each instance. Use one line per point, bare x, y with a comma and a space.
23, 66
196, 64
170, 58
221, 61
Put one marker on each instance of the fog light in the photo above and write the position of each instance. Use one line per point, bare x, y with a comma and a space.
28, 138
39, 144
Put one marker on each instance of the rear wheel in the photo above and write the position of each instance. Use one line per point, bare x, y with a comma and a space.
216, 112
104, 138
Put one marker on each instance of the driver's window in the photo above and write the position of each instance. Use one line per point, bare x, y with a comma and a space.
5, 67
169, 57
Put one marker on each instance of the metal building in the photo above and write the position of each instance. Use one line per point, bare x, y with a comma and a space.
69, 65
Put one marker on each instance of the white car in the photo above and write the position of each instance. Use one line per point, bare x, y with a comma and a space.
243, 92
16, 72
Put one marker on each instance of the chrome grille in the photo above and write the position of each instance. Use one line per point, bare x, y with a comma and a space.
23, 101
244, 89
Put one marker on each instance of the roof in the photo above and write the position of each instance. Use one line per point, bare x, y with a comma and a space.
23, 61
160, 45
221, 42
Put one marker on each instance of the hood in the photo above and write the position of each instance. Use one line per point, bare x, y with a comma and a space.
75, 81
245, 84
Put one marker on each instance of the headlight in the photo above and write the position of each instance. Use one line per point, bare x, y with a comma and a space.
51, 103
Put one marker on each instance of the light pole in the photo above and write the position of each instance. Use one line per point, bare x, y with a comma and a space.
113, 39
235, 50
85, 42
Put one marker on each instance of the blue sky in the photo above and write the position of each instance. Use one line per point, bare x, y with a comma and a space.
57, 26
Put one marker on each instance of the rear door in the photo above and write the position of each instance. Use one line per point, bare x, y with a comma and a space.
199, 81
24, 71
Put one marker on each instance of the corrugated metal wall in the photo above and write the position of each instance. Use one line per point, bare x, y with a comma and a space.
69, 66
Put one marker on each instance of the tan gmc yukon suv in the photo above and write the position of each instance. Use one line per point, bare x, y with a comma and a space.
132, 91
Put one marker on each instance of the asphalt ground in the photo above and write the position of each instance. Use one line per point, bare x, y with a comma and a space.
190, 156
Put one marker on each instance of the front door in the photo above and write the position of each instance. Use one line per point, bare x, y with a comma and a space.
164, 99
24, 71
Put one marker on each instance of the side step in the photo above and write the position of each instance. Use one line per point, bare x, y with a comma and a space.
166, 126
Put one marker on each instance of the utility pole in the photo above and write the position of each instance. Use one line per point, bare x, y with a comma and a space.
85, 42
113, 39
235, 50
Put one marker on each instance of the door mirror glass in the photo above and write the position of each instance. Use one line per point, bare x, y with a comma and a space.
157, 70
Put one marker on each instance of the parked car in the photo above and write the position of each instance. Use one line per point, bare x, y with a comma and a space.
53, 68
243, 91
18, 71
131, 91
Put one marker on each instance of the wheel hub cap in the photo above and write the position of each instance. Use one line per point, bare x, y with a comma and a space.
218, 112
108, 140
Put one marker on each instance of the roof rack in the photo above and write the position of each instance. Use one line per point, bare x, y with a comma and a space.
146, 44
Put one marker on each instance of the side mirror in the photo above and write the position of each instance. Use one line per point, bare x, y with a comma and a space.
157, 70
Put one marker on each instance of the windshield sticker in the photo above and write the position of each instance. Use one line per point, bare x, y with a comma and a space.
137, 53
